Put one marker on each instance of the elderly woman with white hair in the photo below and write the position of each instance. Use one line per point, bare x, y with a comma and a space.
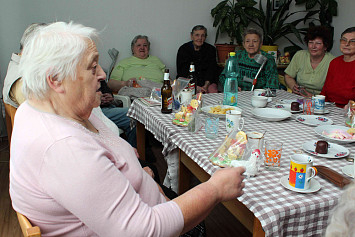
69, 174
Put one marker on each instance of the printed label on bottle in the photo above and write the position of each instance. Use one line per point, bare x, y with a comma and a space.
191, 86
170, 102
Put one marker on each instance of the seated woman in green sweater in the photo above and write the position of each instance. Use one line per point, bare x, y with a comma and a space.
248, 67
140, 65
309, 68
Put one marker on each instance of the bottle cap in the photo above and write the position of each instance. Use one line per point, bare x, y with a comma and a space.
232, 54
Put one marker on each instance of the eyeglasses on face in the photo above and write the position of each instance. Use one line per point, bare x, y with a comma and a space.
345, 41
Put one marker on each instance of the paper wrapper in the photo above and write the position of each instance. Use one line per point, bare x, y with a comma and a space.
350, 121
232, 148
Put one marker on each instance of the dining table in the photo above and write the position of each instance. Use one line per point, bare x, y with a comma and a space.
266, 208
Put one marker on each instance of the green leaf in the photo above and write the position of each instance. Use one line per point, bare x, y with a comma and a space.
298, 2
220, 5
333, 8
310, 4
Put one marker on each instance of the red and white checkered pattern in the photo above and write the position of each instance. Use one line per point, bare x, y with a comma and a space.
281, 212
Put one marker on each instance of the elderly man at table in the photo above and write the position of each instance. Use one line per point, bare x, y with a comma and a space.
339, 86
248, 67
13, 83
64, 160
310, 67
203, 55
139, 66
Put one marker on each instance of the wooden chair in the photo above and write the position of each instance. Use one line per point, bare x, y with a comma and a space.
9, 116
27, 229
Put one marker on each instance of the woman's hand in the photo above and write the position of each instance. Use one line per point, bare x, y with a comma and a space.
131, 82
106, 99
305, 93
296, 89
228, 182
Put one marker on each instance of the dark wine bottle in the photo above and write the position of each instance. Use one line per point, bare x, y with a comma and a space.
166, 95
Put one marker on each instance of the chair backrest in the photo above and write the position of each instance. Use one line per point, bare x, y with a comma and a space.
10, 117
27, 229
114, 55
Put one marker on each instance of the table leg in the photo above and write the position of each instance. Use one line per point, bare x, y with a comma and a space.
140, 140
187, 167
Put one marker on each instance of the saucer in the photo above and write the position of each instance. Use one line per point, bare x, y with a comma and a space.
284, 101
315, 186
324, 112
314, 120
269, 114
287, 107
335, 151
348, 170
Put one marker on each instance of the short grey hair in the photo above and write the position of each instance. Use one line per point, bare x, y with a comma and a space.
250, 31
135, 39
29, 31
199, 27
53, 51
348, 30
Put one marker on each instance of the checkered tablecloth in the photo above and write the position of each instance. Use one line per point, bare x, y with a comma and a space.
281, 212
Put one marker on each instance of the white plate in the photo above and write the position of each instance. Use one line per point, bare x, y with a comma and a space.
314, 120
324, 112
314, 187
271, 114
287, 107
283, 101
334, 150
348, 170
328, 129
206, 109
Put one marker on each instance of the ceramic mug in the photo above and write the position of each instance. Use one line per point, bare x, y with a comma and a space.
301, 171
259, 101
234, 120
319, 102
185, 96
259, 92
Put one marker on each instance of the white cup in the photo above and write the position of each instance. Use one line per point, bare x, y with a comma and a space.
319, 102
234, 120
259, 101
259, 92
185, 96
301, 171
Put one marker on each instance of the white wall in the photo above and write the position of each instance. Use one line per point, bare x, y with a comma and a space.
166, 22
344, 20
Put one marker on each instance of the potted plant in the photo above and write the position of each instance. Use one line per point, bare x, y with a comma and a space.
275, 24
325, 9
230, 16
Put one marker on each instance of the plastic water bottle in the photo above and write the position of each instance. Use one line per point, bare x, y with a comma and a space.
231, 83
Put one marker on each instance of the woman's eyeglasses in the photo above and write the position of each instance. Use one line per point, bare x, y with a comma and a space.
345, 41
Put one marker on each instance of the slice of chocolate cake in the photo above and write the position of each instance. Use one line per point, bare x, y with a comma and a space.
322, 147
295, 106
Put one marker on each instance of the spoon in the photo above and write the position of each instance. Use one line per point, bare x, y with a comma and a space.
261, 60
